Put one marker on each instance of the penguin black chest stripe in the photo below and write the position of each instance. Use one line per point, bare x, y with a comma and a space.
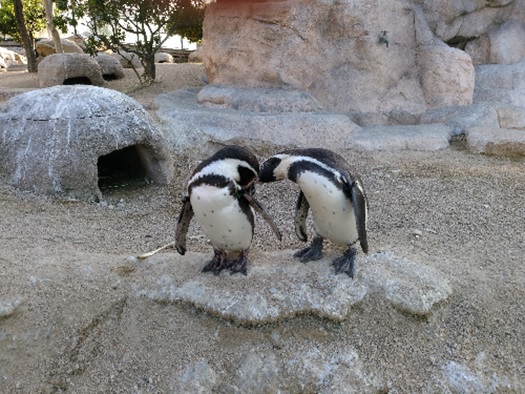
218, 181
222, 182
299, 167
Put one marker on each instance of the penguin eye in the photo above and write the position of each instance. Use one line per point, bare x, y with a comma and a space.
246, 175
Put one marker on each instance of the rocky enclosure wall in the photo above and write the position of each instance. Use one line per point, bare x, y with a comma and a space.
338, 51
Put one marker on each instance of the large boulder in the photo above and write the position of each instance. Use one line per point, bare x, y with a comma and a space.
110, 67
382, 63
459, 22
46, 47
501, 83
265, 118
69, 69
504, 44
61, 140
163, 57
363, 60
10, 58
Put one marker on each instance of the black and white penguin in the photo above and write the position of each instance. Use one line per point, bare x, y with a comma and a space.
334, 194
221, 197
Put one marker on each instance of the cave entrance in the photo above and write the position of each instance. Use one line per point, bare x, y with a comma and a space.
121, 168
77, 81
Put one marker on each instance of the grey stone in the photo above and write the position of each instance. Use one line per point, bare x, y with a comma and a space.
46, 47
163, 57
447, 75
461, 379
501, 83
511, 117
460, 118
410, 286
277, 287
51, 139
258, 99
58, 69
338, 53
8, 307
501, 76
507, 43
109, 66
187, 124
496, 141
10, 58
451, 20
258, 373
429, 137
308, 370
198, 378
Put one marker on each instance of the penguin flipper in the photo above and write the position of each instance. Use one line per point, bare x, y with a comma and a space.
256, 205
183, 224
360, 210
301, 213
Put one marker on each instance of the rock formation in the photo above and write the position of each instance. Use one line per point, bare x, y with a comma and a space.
69, 69
109, 66
56, 141
46, 47
380, 62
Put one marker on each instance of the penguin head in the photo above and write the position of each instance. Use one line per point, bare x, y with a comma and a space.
274, 168
232, 163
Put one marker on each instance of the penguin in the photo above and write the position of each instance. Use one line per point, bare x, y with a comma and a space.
335, 196
221, 197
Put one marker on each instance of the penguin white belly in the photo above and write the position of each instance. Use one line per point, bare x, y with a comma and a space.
332, 212
221, 218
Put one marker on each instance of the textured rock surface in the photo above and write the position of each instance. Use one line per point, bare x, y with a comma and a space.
10, 58
408, 285
163, 57
427, 137
496, 141
337, 51
501, 83
51, 139
278, 287
58, 69
46, 47
8, 307
447, 76
110, 67
188, 124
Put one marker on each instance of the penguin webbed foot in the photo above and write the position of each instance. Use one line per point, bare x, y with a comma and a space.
345, 263
241, 264
217, 263
312, 252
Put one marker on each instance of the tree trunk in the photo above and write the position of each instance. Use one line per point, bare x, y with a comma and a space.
149, 68
26, 39
48, 5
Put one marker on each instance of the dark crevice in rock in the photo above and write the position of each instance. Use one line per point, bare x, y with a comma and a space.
77, 81
120, 168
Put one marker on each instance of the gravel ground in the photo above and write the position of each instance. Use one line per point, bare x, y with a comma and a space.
67, 322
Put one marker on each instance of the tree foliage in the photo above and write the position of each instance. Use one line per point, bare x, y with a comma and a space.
151, 22
35, 18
